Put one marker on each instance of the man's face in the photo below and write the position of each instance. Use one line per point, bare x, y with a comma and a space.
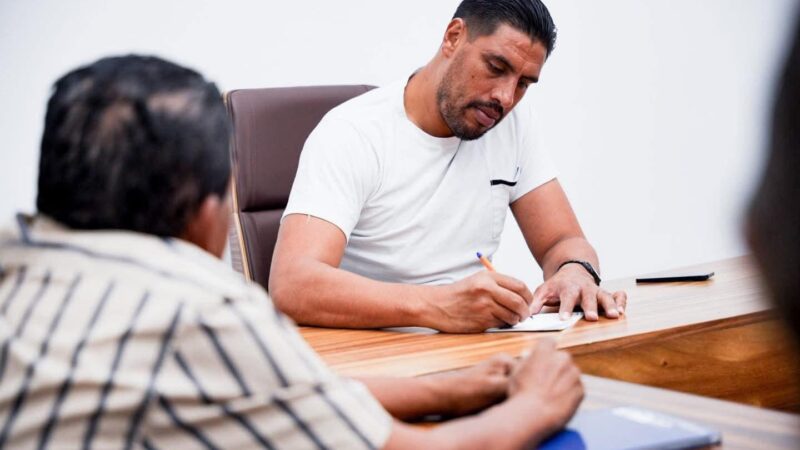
486, 78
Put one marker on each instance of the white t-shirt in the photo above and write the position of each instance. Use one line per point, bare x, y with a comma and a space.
414, 208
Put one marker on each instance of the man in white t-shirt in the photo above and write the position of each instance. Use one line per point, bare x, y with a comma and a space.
399, 188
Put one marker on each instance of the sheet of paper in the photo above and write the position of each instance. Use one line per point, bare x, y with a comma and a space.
541, 322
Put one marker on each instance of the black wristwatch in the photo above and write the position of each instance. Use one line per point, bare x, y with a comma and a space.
586, 266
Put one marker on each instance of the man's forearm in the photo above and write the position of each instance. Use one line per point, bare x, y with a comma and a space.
410, 398
450, 394
510, 425
314, 293
567, 249
307, 284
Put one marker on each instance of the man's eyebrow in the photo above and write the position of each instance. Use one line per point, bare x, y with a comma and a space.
503, 61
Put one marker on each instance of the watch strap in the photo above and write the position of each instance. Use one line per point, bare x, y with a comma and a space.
586, 265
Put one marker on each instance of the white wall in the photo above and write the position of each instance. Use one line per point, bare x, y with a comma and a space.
654, 110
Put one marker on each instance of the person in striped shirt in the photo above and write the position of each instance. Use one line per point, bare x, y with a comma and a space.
121, 328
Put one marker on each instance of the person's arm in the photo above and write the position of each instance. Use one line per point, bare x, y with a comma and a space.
545, 391
307, 284
554, 236
449, 394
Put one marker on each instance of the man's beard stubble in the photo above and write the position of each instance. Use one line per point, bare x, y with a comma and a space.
455, 116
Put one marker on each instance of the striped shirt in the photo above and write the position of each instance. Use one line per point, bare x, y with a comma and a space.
113, 339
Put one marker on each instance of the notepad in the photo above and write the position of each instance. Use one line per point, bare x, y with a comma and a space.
630, 428
541, 322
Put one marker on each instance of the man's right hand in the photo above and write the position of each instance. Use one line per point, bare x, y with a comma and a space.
543, 393
483, 300
551, 381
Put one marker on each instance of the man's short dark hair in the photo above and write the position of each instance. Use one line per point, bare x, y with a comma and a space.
528, 16
133, 143
774, 215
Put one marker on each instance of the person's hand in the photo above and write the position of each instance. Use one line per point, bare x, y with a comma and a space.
551, 381
483, 300
475, 388
572, 286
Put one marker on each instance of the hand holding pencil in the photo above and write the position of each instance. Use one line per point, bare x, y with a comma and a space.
487, 299
485, 261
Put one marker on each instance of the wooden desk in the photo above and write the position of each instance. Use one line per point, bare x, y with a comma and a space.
742, 427
716, 338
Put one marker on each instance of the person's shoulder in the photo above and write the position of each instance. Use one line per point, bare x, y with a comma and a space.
369, 111
380, 100
239, 294
207, 278
520, 119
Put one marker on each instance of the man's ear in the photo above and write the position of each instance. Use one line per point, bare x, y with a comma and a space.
454, 36
208, 227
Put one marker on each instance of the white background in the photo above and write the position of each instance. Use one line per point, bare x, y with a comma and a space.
655, 111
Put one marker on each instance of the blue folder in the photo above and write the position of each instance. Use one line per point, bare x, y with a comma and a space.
629, 428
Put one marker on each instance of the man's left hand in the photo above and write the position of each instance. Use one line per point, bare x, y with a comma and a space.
467, 391
571, 286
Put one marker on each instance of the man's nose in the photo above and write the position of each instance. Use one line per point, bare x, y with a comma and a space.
504, 94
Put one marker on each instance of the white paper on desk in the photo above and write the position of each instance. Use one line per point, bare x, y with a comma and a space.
541, 322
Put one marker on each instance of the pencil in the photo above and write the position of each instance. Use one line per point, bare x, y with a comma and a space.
485, 261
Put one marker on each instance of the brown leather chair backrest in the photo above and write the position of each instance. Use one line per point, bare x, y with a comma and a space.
270, 127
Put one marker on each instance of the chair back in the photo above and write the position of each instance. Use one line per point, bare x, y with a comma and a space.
270, 127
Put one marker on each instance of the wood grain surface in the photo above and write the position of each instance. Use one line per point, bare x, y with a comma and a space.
717, 337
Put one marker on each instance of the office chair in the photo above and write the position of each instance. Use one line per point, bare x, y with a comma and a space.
270, 127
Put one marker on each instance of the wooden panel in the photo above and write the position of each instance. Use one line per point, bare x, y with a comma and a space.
751, 363
742, 427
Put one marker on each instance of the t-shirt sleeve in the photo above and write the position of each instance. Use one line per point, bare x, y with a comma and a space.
240, 376
337, 173
536, 166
